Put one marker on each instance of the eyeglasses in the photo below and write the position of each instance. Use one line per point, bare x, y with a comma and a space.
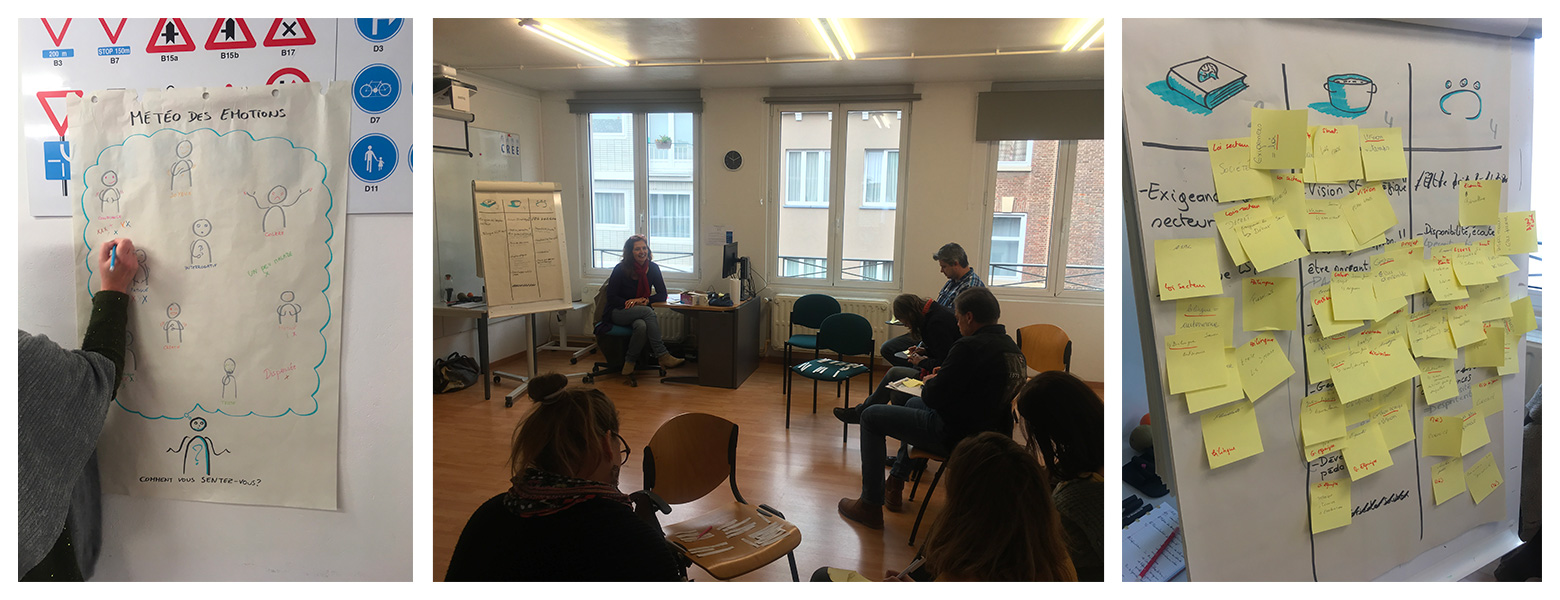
622, 443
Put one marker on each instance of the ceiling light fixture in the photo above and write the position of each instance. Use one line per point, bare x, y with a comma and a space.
824, 33
1097, 34
1083, 30
571, 42
839, 36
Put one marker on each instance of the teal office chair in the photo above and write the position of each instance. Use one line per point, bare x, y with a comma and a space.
845, 334
809, 311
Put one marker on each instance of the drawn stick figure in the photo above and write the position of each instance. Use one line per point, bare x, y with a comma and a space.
228, 381
287, 308
142, 274
129, 353
200, 249
275, 202
183, 166
173, 325
109, 198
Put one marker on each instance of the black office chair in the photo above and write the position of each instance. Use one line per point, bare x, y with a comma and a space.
614, 347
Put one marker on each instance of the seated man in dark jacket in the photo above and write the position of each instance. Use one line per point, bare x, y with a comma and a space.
970, 393
937, 330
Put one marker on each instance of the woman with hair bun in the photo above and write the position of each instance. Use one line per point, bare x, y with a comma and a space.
563, 518
1063, 420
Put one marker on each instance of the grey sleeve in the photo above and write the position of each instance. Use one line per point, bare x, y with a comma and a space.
62, 400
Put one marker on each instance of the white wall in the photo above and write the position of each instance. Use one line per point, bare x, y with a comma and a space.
945, 190
370, 536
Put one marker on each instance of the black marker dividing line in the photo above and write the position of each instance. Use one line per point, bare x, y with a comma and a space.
1174, 147
1419, 485
1470, 149
1284, 76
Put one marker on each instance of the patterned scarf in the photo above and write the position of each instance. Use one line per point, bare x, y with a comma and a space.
642, 273
539, 493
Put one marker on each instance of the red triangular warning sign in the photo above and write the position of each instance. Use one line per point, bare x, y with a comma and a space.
113, 34
289, 32
233, 33
57, 38
170, 35
60, 121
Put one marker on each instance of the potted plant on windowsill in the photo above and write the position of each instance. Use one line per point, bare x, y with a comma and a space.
664, 142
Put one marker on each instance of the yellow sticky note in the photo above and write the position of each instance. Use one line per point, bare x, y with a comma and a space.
1230, 217
1219, 395
1230, 433
1513, 361
1369, 212
1393, 362
1338, 153
1437, 379
1366, 451
1268, 303
1414, 247
1322, 309
1429, 335
1326, 229
1194, 360
1381, 151
1471, 267
1271, 242
1320, 449
1478, 202
1213, 313
1308, 174
1354, 376
1394, 324
1359, 411
1233, 176
1502, 265
1321, 418
1187, 268
1331, 505
1490, 352
1443, 280
1316, 368
1487, 397
1446, 478
1262, 365
1465, 324
1278, 138
1396, 422
1392, 274
1353, 296
1474, 432
1516, 233
1522, 319
1490, 301
1442, 436
1483, 477
1289, 198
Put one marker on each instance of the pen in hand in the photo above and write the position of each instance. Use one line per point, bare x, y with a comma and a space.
113, 254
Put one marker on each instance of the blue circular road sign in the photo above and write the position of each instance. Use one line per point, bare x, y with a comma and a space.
378, 30
373, 157
376, 88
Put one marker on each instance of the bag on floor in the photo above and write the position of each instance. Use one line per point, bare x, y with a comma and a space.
454, 373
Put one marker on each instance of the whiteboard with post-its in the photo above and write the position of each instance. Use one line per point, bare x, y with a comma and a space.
520, 247
1463, 101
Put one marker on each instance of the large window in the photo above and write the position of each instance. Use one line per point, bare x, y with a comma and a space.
1047, 217
854, 242
643, 187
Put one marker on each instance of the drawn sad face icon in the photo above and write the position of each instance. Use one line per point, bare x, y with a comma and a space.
110, 179
201, 227
278, 195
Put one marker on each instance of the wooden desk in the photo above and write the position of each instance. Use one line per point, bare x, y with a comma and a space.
728, 339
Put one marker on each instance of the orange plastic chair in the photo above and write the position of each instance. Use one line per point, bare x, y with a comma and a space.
1046, 347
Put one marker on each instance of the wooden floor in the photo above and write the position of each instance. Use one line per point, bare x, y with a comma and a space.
802, 471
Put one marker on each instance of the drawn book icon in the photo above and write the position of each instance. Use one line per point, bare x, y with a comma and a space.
1206, 81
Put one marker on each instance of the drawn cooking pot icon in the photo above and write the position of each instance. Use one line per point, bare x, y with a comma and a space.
1350, 93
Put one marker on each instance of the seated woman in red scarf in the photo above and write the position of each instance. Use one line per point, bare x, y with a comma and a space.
635, 283
563, 518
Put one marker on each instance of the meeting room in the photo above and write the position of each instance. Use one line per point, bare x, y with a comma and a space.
768, 299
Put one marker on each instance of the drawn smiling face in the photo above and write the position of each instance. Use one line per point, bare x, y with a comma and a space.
173, 311
1463, 87
110, 178
277, 195
202, 227
184, 149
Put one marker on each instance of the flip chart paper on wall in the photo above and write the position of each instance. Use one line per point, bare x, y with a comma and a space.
1330, 505
1230, 434
1268, 303
1447, 479
1478, 202
1381, 151
521, 247
1219, 395
1187, 268
232, 379
1483, 477
1278, 139
1233, 176
1338, 153
1366, 452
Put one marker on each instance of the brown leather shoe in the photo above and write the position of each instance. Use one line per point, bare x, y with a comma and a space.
670, 362
628, 368
893, 493
864, 513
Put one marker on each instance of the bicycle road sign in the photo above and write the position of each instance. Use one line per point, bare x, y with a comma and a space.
376, 88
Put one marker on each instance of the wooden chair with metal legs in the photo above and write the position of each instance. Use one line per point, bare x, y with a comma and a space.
808, 311
915, 478
687, 458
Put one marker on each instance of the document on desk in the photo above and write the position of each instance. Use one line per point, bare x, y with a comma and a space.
908, 385
1141, 540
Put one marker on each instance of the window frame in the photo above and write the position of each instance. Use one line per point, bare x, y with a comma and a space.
828, 165
621, 198
1023, 237
838, 113
866, 201
1061, 222
640, 217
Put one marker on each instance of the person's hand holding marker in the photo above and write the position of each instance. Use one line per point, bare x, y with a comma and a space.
116, 272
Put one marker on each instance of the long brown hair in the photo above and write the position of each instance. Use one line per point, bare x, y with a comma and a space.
561, 432
1064, 421
910, 310
628, 253
1000, 523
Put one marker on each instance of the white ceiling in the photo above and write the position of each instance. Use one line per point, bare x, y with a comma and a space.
765, 52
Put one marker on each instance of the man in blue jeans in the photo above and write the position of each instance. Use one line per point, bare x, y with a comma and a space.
970, 393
